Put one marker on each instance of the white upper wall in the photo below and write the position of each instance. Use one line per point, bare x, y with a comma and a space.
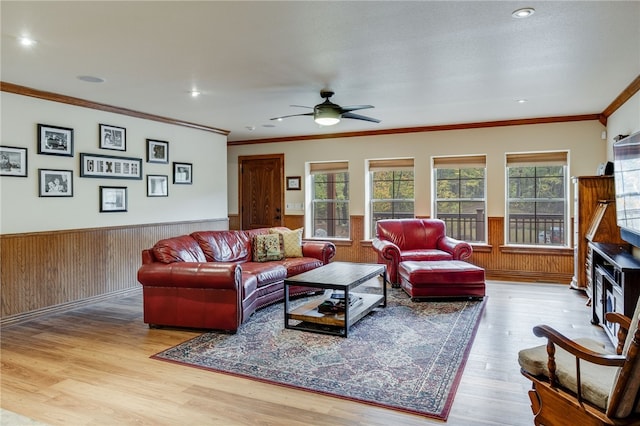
22, 210
625, 121
583, 140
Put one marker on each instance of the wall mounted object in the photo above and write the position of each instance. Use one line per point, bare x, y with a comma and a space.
54, 140
113, 199
157, 151
183, 173
105, 166
112, 137
55, 183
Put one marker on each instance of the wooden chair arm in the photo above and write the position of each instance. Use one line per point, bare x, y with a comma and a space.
579, 351
623, 330
618, 318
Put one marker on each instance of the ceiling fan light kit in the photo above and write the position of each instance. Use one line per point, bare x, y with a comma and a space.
327, 113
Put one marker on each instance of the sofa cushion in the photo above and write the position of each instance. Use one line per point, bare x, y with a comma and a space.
425, 255
268, 247
224, 246
298, 265
292, 241
597, 380
265, 273
178, 249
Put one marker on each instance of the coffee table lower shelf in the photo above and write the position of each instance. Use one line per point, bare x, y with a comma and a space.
334, 324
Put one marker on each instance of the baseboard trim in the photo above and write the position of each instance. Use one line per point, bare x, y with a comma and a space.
64, 307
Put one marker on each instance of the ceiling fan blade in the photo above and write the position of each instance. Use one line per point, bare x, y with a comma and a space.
359, 117
355, 107
301, 106
292, 115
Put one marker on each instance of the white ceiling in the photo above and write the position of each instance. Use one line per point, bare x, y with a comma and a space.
420, 63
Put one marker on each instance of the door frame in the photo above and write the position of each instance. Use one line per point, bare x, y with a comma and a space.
241, 160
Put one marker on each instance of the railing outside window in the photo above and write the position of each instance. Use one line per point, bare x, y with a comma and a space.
330, 205
537, 212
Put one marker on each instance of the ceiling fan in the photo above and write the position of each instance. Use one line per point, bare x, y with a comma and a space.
327, 113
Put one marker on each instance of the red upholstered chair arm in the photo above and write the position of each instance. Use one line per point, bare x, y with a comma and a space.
321, 250
460, 250
213, 275
386, 249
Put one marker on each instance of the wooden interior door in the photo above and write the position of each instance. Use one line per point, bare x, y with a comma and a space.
261, 184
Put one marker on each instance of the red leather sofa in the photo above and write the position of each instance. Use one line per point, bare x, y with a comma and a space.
208, 279
399, 240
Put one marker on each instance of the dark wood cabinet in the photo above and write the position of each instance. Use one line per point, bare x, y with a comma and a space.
616, 284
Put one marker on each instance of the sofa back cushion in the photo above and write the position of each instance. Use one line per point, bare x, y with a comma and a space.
411, 234
224, 246
178, 249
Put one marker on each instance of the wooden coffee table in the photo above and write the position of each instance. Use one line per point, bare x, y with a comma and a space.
354, 280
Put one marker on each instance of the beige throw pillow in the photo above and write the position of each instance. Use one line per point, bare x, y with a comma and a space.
292, 241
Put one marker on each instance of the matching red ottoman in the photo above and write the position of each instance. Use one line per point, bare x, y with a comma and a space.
441, 278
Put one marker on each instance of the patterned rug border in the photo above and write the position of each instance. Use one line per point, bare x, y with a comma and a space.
443, 415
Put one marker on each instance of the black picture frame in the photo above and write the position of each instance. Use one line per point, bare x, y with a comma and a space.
110, 167
55, 183
112, 137
182, 173
113, 199
13, 161
157, 151
293, 183
55, 140
157, 186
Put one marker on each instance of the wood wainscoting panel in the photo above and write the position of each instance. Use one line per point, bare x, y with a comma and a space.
234, 222
45, 269
527, 265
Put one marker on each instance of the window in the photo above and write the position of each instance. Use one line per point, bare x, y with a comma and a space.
329, 200
390, 193
537, 205
460, 200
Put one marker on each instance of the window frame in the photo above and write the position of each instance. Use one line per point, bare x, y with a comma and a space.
458, 162
539, 159
382, 165
325, 168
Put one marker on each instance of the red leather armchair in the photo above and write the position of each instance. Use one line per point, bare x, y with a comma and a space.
398, 240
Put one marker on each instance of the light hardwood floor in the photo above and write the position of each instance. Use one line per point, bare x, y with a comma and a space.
91, 366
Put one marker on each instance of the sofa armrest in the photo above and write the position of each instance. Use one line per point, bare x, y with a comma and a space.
460, 250
321, 250
213, 275
386, 249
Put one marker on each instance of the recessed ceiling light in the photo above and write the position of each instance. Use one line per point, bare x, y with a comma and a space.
27, 41
195, 93
521, 101
524, 12
90, 79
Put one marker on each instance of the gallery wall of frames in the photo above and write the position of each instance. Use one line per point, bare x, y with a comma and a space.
117, 164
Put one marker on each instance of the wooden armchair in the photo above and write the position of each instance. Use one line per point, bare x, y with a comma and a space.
575, 382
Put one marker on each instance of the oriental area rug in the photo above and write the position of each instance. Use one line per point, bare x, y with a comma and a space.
408, 356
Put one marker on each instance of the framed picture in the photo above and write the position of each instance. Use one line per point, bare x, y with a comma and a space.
13, 161
112, 137
157, 186
293, 183
54, 140
157, 151
55, 183
113, 199
183, 173
105, 166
